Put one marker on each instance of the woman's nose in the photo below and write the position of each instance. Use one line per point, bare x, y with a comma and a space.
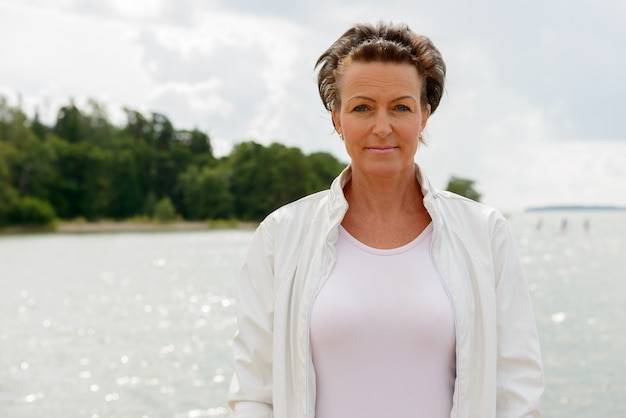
382, 124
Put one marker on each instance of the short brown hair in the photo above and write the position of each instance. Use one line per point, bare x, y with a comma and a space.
382, 42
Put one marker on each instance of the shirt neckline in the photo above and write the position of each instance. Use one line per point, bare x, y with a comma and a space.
425, 234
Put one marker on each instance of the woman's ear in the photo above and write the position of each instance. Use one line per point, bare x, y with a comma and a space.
334, 113
425, 116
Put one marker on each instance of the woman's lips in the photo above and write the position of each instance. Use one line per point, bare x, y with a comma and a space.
381, 150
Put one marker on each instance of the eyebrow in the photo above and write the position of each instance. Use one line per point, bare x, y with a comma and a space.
405, 97
393, 100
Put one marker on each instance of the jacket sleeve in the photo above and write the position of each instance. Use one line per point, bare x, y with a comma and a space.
519, 368
250, 393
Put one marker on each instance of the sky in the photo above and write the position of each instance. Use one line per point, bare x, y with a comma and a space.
533, 110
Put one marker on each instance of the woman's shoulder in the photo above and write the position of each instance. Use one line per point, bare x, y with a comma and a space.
306, 209
289, 227
452, 205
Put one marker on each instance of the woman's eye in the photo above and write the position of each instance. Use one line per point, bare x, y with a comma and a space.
360, 108
403, 108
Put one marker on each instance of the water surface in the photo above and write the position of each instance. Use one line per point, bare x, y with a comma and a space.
141, 324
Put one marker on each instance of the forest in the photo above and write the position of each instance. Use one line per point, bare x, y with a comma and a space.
83, 167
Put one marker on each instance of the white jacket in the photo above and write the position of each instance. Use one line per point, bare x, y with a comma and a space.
499, 371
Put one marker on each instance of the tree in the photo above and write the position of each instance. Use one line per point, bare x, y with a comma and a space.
26, 170
32, 165
13, 122
166, 168
325, 167
69, 123
206, 193
137, 126
84, 185
8, 195
164, 211
264, 178
126, 197
84, 166
38, 128
197, 141
250, 180
96, 126
162, 131
31, 211
463, 187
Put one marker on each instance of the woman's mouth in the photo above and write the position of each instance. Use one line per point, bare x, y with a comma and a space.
381, 149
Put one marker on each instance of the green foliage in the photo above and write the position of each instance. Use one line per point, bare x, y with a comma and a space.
31, 211
8, 195
197, 141
206, 193
70, 123
125, 194
463, 187
324, 167
264, 178
164, 211
83, 167
13, 123
38, 128
8, 200
84, 181
31, 162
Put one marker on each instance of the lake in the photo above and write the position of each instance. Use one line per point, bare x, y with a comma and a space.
141, 324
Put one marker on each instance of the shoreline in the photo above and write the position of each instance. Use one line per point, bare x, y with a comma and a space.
129, 226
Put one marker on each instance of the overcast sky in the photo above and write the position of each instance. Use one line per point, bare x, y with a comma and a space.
533, 111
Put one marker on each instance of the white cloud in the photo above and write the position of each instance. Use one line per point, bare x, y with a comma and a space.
138, 8
532, 112
514, 147
188, 102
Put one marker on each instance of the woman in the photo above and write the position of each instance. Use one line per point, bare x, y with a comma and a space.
383, 297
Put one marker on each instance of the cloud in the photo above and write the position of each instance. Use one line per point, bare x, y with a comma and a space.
191, 101
252, 60
534, 94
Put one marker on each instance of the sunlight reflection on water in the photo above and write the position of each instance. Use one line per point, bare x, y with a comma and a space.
577, 280
122, 325
141, 325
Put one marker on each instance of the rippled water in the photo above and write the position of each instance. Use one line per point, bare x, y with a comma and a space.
117, 325
140, 325
578, 283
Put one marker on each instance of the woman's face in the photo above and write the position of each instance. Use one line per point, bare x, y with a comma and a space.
380, 117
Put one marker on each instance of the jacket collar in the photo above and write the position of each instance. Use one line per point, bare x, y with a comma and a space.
427, 188
338, 199
338, 205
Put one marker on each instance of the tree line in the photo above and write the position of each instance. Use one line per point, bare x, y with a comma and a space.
82, 166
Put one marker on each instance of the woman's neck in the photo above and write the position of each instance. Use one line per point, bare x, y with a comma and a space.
385, 212
383, 197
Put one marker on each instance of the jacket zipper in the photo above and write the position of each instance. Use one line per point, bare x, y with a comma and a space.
318, 287
454, 314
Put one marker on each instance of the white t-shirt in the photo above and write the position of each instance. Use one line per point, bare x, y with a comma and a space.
382, 334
